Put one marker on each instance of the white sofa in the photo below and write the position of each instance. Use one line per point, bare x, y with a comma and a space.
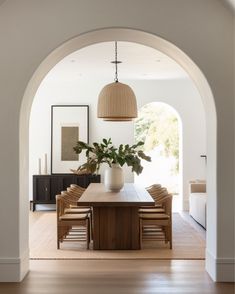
197, 201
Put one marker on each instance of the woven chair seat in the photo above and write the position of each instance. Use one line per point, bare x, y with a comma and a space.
75, 207
151, 210
73, 216
155, 206
77, 210
155, 216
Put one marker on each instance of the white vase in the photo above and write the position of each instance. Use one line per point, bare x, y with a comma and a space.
114, 178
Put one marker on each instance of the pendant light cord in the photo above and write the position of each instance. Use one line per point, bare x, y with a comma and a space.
116, 62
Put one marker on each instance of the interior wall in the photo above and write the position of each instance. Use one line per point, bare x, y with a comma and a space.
181, 94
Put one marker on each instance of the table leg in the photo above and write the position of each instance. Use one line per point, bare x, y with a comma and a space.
116, 228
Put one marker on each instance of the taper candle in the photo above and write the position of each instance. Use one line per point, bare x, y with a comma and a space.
39, 166
45, 164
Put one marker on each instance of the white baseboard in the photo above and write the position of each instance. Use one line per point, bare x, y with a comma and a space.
220, 269
14, 269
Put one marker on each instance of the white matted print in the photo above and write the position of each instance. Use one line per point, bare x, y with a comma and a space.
69, 124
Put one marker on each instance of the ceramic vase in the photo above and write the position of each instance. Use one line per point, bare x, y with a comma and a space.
114, 178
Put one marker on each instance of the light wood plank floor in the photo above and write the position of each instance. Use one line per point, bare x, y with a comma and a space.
116, 276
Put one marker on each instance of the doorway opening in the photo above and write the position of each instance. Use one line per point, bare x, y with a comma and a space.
159, 126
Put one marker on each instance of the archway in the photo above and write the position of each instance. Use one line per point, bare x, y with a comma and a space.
146, 39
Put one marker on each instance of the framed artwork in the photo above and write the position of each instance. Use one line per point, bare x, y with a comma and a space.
69, 124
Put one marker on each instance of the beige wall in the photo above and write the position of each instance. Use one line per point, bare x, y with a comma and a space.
30, 30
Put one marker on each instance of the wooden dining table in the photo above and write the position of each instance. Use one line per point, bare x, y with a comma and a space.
115, 215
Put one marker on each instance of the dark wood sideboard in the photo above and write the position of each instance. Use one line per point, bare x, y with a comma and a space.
46, 187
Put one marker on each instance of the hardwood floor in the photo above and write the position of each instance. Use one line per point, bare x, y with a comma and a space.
116, 276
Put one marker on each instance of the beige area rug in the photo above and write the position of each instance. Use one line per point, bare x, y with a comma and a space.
187, 243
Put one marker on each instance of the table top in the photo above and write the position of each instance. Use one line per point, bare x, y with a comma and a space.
130, 195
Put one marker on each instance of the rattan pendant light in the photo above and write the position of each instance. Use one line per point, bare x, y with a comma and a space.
117, 101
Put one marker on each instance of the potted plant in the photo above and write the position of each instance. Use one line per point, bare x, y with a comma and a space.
106, 152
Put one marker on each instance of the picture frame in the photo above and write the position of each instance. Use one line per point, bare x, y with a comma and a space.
69, 124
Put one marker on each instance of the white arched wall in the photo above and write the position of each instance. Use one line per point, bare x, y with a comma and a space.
31, 30
196, 75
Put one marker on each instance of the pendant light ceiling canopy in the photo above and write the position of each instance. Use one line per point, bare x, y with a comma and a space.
117, 101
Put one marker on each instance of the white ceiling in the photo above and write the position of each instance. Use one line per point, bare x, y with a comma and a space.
138, 62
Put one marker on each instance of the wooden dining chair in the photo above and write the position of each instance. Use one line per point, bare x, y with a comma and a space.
157, 196
77, 188
71, 227
157, 225
73, 208
75, 191
153, 187
155, 190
